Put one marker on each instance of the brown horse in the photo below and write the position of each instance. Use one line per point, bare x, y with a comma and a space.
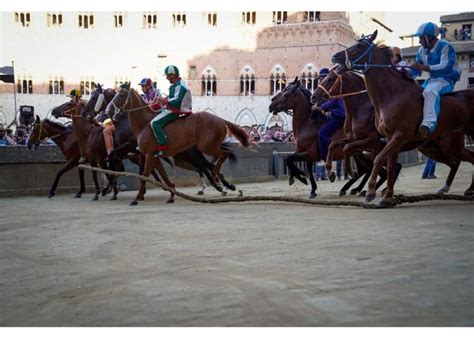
398, 106
90, 140
202, 129
65, 139
362, 134
306, 125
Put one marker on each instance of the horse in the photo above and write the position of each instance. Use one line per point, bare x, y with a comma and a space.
202, 129
90, 140
398, 107
65, 139
306, 125
124, 139
362, 133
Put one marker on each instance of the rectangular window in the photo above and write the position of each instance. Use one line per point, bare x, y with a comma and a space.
212, 19
56, 87
55, 19
118, 20
87, 87
179, 20
311, 16
280, 18
86, 21
24, 86
466, 32
470, 82
24, 19
249, 18
471, 63
149, 21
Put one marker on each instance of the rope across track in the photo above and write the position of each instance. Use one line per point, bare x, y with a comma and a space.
392, 202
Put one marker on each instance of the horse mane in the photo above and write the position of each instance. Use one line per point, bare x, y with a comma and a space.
58, 125
388, 55
307, 94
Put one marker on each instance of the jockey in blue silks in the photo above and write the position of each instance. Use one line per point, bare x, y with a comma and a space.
438, 57
335, 120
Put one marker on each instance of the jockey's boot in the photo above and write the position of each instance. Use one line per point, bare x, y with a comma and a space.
424, 130
160, 149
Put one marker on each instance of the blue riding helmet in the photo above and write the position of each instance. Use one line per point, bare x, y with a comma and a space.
323, 72
145, 82
427, 29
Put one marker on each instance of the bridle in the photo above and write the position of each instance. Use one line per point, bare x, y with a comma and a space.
339, 83
42, 130
120, 110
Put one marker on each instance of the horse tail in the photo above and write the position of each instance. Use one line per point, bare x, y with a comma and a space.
238, 132
232, 157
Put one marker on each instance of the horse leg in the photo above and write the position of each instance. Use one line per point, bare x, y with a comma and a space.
356, 147
392, 146
203, 184
164, 175
309, 170
391, 161
296, 172
149, 163
83, 186
329, 173
470, 191
68, 166
96, 182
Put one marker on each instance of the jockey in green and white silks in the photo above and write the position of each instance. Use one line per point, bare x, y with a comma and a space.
438, 57
178, 102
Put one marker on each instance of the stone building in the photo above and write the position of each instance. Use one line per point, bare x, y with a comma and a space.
234, 62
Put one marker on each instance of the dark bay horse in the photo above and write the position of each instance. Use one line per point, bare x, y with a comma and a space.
306, 125
90, 140
202, 129
65, 139
125, 142
398, 106
362, 134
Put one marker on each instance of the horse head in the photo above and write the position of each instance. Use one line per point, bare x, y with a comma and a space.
36, 134
358, 55
66, 109
284, 100
118, 103
98, 102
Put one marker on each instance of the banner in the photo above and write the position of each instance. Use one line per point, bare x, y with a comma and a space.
6, 70
6, 74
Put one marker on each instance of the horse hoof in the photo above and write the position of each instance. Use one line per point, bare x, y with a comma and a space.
383, 204
303, 180
332, 177
469, 193
132, 203
113, 198
104, 192
224, 193
200, 192
95, 198
241, 193
312, 195
169, 201
369, 197
362, 193
342, 193
51, 194
355, 175
291, 181
232, 187
383, 192
354, 192
78, 195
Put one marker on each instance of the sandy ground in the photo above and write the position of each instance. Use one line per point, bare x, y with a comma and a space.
74, 262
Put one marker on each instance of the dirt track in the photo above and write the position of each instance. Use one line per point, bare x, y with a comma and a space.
69, 262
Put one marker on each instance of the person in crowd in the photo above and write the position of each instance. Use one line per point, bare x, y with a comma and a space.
4, 139
438, 57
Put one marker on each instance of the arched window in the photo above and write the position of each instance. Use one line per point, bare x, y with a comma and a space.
247, 81
277, 79
309, 77
209, 82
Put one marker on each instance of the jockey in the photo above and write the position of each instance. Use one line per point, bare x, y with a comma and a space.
438, 57
398, 61
178, 102
75, 95
335, 116
149, 93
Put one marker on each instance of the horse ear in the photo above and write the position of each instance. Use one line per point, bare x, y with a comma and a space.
296, 79
37, 119
373, 36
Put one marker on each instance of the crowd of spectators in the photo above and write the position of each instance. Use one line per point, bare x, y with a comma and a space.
8, 137
270, 134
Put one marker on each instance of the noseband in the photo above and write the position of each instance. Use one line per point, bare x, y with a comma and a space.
339, 83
